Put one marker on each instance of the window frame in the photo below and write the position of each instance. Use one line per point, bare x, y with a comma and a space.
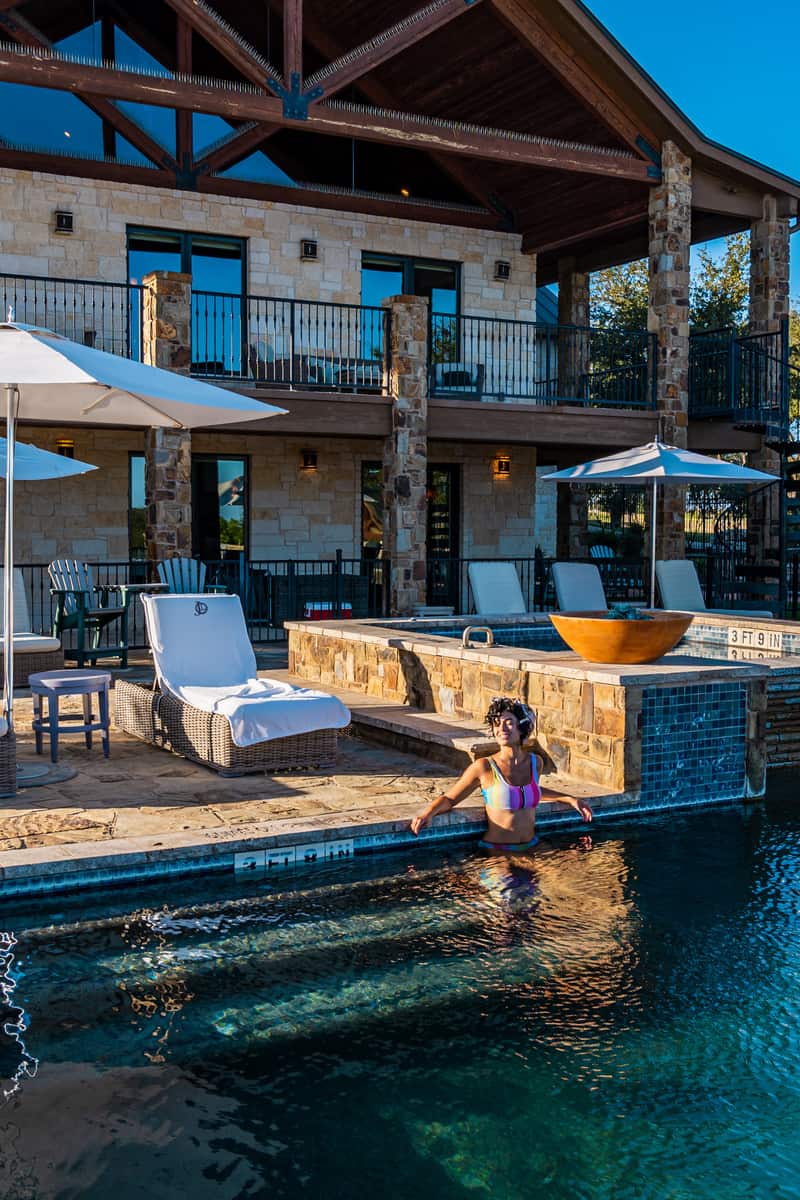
185, 237
407, 264
204, 456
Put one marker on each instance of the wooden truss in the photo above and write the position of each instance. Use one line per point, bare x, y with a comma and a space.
265, 100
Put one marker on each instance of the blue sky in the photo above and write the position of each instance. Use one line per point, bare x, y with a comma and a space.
732, 68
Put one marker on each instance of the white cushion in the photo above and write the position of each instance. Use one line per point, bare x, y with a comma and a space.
495, 588
32, 643
3, 727
21, 617
579, 588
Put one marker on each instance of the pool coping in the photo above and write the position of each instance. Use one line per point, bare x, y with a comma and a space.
262, 850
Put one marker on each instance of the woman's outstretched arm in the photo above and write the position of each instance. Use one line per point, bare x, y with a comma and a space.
449, 799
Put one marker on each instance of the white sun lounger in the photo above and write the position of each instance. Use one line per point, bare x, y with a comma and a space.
579, 588
680, 590
495, 588
211, 706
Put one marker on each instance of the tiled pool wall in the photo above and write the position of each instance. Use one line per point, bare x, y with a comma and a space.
694, 744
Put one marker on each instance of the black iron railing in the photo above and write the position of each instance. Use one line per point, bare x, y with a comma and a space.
488, 358
291, 343
744, 378
105, 315
271, 590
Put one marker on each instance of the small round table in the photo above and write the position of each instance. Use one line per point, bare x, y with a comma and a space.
52, 685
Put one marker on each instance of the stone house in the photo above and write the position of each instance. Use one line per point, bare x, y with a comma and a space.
390, 306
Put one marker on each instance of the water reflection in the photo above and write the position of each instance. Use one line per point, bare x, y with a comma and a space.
22, 1064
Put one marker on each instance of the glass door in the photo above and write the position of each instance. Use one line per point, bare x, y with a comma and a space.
219, 507
443, 534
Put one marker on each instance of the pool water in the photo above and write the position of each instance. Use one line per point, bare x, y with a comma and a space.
613, 1017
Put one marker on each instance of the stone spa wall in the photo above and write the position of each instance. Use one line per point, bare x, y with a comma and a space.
654, 734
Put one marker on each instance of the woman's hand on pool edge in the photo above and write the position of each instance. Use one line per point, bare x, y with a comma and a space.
419, 822
584, 809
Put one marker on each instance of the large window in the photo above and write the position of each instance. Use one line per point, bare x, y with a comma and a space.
385, 275
218, 269
219, 507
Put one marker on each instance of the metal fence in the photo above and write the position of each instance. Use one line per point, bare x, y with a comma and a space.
745, 378
271, 590
291, 343
105, 315
489, 358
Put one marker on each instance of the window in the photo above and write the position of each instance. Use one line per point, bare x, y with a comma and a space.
371, 509
219, 506
137, 546
217, 266
385, 275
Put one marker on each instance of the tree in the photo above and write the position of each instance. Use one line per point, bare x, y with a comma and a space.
717, 298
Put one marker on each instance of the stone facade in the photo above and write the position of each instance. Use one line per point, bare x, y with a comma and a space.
168, 493
405, 455
668, 319
167, 321
103, 211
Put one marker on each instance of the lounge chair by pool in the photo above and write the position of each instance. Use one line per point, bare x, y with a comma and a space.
495, 588
579, 587
680, 590
210, 706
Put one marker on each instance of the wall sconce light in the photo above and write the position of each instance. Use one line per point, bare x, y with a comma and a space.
63, 221
308, 460
65, 447
502, 270
502, 467
309, 250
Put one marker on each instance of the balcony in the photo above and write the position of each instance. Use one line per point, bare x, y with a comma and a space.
310, 345
487, 358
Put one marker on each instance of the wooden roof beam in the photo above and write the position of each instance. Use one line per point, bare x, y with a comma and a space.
184, 142
562, 60
293, 43
347, 121
222, 36
544, 240
226, 153
20, 30
349, 67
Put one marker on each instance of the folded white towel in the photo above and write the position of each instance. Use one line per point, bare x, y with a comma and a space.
204, 657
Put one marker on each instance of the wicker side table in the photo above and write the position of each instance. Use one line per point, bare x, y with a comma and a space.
52, 685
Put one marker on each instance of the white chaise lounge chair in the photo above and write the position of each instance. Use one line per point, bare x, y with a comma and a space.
579, 588
210, 706
680, 590
33, 652
495, 588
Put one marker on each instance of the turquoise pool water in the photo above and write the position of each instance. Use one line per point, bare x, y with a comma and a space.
616, 1019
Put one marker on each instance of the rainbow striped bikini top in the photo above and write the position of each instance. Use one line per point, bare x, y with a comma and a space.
502, 794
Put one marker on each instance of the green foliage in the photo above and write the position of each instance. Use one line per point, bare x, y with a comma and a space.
231, 532
718, 294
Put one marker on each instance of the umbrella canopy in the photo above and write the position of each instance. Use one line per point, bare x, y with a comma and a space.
657, 463
31, 463
49, 378
63, 382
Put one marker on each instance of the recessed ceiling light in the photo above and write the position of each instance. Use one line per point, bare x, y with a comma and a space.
67, 133
405, 192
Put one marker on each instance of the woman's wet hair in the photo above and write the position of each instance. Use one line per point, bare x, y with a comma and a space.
526, 719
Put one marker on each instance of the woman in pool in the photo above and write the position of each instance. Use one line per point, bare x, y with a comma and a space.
509, 781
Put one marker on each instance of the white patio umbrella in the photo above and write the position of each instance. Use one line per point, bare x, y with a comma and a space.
657, 463
50, 378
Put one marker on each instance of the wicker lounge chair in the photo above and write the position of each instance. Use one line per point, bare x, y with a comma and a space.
32, 652
216, 631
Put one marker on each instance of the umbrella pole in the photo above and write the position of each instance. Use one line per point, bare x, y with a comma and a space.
8, 573
653, 511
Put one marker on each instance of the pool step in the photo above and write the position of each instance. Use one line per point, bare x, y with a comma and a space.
783, 720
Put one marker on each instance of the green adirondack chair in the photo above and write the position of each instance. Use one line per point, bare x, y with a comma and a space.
84, 607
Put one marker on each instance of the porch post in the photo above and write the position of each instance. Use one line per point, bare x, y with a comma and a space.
572, 507
769, 308
166, 341
573, 322
405, 454
668, 318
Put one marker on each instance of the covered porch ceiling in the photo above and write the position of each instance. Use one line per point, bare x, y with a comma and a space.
517, 115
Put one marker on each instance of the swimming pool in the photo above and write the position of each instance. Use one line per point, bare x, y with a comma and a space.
619, 1020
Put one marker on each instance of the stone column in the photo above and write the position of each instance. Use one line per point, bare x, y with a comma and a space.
572, 513
405, 455
166, 337
668, 319
769, 308
573, 336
